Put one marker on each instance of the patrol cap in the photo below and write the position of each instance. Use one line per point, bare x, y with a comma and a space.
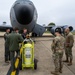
58, 30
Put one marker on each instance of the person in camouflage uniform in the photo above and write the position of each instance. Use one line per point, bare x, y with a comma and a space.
7, 52
69, 40
57, 47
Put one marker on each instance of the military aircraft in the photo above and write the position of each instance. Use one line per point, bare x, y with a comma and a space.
23, 14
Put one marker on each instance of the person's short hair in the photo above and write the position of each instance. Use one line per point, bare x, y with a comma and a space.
15, 29
7, 29
24, 29
58, 30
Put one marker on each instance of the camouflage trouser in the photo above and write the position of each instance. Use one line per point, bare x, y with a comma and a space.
57, 59
68, 52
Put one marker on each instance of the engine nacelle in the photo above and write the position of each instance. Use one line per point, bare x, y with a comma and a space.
61, 27
70, 27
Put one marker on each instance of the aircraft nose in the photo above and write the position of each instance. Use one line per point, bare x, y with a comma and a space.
23, 13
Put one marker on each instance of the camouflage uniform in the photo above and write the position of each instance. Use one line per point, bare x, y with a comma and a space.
69, 40
57, 47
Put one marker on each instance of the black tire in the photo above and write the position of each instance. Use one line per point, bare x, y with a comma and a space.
20, 63
35, 64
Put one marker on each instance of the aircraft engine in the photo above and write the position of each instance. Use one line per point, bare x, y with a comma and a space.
61, 27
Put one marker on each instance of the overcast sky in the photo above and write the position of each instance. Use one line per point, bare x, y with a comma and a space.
61, 12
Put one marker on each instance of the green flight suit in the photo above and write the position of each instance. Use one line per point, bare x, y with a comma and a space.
13, 41
7, 52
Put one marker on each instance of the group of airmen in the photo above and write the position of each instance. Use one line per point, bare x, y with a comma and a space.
61, 44
12, 41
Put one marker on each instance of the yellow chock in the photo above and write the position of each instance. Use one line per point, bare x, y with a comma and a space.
13, 72
16, 63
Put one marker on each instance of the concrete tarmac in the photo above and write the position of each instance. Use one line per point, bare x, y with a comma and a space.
44, 55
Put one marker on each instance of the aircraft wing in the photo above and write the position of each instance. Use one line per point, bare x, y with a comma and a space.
4, 27
39, 30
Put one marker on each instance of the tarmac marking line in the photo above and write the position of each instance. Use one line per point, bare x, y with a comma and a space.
10, 72
16, 63
70, 69
13, 73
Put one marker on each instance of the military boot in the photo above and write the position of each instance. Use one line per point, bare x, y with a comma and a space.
60, 70
66, 60
70, 63
55, 72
